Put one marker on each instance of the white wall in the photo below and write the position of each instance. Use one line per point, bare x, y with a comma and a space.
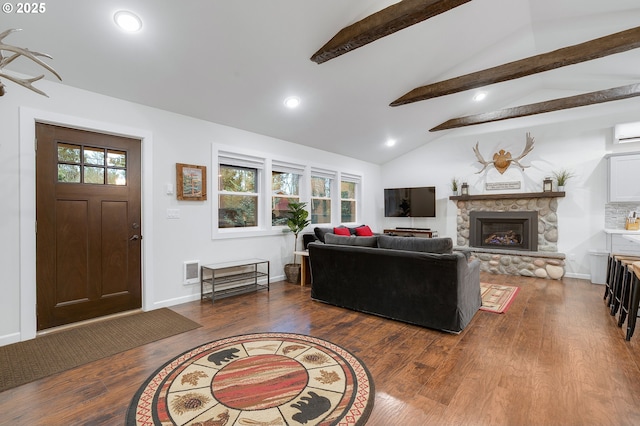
577, 140
168, 139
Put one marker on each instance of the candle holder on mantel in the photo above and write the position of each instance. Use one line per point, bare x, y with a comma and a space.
547, 185
464, 189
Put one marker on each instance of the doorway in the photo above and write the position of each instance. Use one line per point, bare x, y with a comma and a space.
88, 214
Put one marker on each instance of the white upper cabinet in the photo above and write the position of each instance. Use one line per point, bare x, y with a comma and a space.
624, 178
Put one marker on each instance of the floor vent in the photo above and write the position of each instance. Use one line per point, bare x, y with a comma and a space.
191, 272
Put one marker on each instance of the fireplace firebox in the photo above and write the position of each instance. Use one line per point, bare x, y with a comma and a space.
504, 230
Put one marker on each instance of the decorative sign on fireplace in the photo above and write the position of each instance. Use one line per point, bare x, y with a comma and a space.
504, 230
493, 186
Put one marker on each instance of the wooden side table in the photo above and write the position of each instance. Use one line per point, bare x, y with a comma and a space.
305, 271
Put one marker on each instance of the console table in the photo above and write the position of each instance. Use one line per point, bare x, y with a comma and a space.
224, 279
409, 232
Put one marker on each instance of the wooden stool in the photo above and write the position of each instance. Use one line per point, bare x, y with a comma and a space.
615, 280
625, 292
631, 307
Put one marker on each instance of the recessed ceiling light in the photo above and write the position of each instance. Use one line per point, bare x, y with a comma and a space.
127, 21
479, 96
390, 142
292, 102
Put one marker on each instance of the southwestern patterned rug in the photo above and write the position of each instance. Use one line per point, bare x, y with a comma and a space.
257, 379
497, 298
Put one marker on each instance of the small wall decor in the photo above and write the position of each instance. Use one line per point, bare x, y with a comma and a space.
501, 159
191, 182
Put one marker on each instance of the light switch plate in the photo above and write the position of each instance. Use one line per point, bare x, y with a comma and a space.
173, 213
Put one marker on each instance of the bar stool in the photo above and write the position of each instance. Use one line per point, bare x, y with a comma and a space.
632, 300
615, 278
625, 292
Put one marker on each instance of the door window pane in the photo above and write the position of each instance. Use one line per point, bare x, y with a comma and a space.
116, 159
94, 175
116, 177
68, 153
68, 173
94, 156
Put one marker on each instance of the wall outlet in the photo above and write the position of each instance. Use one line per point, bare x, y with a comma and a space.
571, 256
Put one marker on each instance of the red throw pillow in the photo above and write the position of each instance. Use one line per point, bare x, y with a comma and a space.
341, 231
364, 231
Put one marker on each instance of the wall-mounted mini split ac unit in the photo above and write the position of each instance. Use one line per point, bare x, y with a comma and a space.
191, 272
626, 132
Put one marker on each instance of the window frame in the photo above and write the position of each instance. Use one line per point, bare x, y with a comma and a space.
240, 159
266, 165
324, 174
356, 180
278, 166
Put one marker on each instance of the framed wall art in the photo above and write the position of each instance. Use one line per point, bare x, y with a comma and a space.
191, 182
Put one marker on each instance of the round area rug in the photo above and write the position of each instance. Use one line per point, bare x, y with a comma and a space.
265, 379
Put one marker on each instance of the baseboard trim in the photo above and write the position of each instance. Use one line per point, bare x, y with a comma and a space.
8, 339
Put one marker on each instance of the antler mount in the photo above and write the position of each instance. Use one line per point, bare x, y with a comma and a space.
501, 159
15, 53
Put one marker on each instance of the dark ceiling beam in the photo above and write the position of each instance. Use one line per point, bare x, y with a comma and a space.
389, 20
593, 49
615, 94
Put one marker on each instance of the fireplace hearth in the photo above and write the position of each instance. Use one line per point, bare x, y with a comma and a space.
504, 230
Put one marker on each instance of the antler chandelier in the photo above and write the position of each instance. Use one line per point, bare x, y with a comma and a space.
15, 53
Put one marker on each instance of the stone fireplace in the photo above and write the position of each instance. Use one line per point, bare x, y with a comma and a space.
504, 230
524, 244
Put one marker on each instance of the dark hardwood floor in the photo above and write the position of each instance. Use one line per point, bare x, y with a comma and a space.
555, 358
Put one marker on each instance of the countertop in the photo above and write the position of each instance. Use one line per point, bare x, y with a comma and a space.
620, 231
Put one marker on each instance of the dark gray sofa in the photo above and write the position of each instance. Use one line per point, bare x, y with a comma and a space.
416, 280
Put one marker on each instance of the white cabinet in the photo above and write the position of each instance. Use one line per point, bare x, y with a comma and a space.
624, 178
616, 243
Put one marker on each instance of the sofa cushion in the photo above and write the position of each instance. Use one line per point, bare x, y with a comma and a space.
364, 231
426, 245
340, 230
351, 240
320, 232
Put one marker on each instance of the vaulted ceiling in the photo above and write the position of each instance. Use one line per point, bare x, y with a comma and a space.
233, 62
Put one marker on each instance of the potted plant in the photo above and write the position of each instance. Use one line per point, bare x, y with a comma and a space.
454, 186
296, 222
562, 176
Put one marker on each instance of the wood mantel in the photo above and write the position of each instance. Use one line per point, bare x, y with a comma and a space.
507, 196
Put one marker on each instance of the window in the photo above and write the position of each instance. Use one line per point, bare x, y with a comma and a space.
285, 188
91, 165
254, 192
321, 183
348, 198
238, 197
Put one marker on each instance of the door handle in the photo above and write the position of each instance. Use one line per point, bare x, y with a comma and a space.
135, 238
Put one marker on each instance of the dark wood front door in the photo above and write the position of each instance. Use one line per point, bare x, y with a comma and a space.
88, 243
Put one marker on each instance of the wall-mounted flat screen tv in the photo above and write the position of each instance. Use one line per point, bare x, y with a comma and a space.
410, 202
